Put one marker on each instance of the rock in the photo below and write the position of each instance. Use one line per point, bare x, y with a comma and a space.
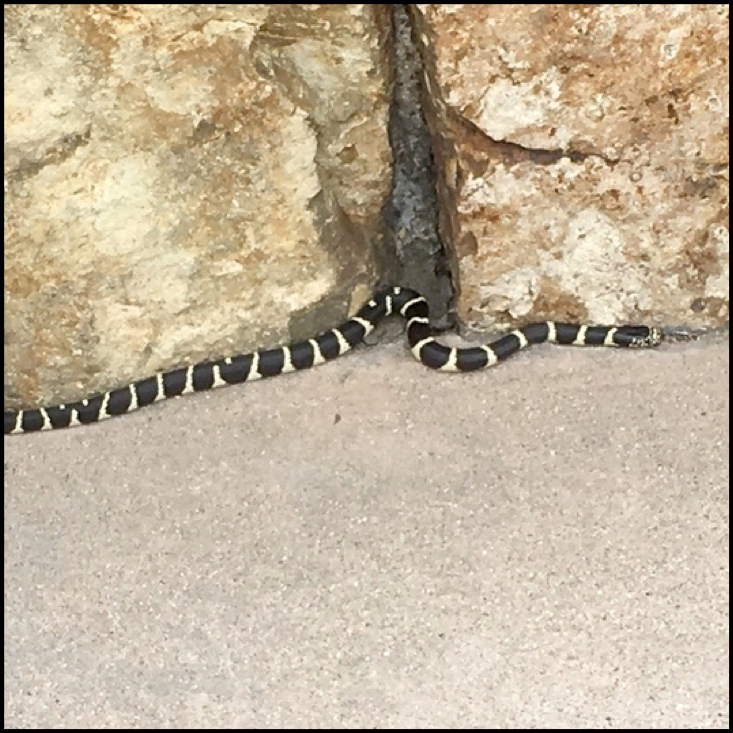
583, 159
185, 182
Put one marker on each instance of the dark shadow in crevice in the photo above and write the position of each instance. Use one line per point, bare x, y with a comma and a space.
412, 213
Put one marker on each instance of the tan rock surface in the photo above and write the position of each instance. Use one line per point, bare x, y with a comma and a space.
583, 155
184, 182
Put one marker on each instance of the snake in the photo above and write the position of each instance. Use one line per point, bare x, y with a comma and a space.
421, 336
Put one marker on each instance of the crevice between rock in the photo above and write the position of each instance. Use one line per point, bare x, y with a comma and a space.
412, 213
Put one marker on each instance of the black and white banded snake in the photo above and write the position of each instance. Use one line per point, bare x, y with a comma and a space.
324, 347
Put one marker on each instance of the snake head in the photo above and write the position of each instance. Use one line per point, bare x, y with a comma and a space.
639, 337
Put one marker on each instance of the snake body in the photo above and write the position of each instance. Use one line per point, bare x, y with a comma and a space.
326, 346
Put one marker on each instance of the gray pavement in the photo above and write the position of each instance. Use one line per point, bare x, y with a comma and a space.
374, 545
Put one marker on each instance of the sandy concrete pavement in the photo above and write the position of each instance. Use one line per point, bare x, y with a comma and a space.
371, 544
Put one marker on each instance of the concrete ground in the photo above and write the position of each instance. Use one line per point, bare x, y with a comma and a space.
374, 545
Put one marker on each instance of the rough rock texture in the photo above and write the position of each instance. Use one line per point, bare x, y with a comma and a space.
583, 159
184, 182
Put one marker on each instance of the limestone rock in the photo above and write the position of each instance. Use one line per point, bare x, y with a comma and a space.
583, 158
185, 182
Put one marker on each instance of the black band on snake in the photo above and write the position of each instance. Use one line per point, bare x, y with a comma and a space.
324, 347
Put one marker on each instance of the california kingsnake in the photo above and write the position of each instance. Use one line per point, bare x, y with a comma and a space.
328, 345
